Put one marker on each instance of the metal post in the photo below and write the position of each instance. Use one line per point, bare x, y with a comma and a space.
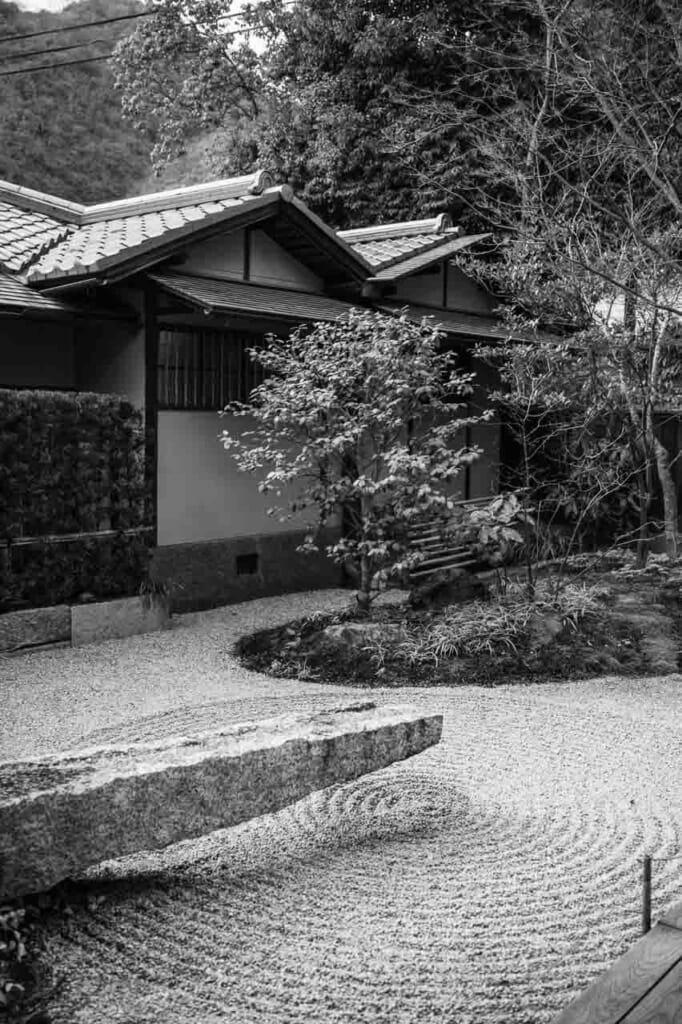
646, 894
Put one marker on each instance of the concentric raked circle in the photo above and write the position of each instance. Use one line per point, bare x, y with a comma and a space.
488, 880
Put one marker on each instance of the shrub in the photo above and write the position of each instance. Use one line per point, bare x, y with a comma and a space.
70, 463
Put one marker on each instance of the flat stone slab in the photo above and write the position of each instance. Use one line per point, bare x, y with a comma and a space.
60, 815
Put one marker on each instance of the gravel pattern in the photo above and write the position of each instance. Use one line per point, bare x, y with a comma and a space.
489, 879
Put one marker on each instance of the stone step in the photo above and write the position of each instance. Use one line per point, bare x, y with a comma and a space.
62, 814
444, 566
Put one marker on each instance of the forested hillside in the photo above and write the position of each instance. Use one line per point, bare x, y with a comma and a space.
61, 130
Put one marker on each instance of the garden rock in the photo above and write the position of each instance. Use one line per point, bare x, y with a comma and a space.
544, 629
59, 815
354, 637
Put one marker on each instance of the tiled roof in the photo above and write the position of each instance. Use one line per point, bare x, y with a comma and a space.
24, 234
15, 296
383, 252
95, 247
454, 322
394, 250
411, 262
44, 237
255, 300
432, 226
385, 244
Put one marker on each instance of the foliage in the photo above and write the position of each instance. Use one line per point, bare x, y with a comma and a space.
580, 178
475, 628
26, 973
59, 573
61, 130
358, 416
571, 631
70, 463
500, 527
12, 954
586, 413
324, 104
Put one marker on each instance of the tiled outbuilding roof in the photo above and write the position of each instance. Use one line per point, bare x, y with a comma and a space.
467, 325
16, 297
410, 263
213, 295
394, 250
437, 225
383, 252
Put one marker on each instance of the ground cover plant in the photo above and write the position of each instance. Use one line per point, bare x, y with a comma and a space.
604, 616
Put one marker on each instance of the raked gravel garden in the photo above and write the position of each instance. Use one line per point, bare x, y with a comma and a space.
489, 879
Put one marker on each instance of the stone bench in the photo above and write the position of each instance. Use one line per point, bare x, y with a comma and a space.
62, 814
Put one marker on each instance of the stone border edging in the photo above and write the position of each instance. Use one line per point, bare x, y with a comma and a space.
79, 624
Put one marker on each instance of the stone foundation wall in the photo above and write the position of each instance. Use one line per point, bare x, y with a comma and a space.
206, 574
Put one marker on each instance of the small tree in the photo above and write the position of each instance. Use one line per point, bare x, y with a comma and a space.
575, 466
359, 417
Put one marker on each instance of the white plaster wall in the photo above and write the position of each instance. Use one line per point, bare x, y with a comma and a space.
462, 293
220, 256
269, 264
202, 495
36, 353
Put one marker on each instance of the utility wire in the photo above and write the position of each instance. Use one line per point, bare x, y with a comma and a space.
54, 49
106, 21
90, 42
73, 28
88, 60
55, 64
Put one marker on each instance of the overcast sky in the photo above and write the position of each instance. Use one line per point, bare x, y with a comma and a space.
41, 5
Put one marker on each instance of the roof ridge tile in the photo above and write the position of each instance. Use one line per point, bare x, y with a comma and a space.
438, 225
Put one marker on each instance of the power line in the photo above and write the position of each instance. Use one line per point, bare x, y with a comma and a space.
84, 60
54, 49
90, 42
74, 28
55, 64
106, 21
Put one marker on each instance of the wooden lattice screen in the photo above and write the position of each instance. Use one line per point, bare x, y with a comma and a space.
206, 369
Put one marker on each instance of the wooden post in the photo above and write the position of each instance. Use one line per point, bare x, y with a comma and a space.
646, 894
151, 405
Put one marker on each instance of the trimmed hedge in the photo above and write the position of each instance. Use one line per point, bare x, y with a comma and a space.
70, 463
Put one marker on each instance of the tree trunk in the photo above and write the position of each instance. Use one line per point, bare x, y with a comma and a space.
669, 498
364, 594
643, 531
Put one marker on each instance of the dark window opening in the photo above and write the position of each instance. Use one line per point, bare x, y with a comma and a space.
206, 369
247, 565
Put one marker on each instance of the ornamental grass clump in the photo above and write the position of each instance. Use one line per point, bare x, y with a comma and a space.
495, 627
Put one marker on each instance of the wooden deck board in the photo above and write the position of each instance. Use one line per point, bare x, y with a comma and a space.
663, 1004
633, 978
